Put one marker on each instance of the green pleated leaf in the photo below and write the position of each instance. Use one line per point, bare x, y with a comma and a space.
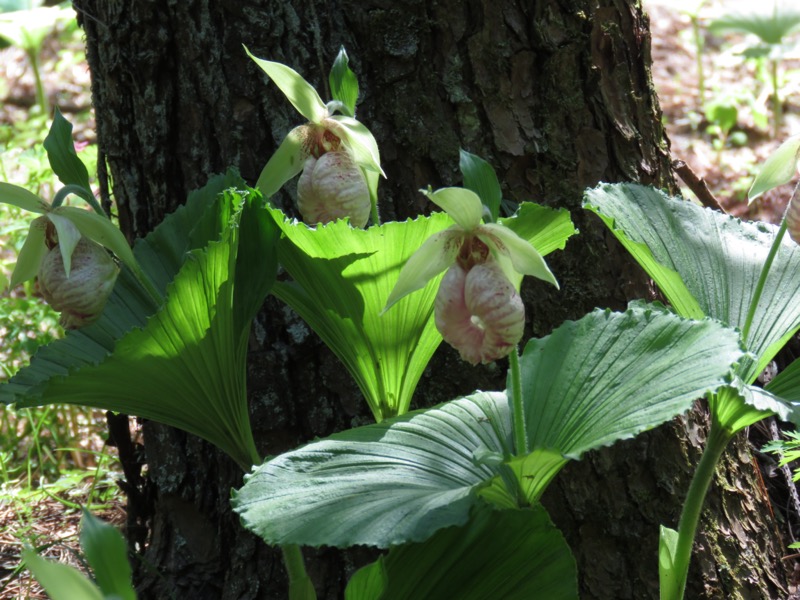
610, 376
545, 228
707, 263
591, 382
479, 176
60, 581
185, 365
107, 554
509, 554
787, 383
382, 484
62, 156
342, 281
742, 405
342, 278
161, 253
343, 82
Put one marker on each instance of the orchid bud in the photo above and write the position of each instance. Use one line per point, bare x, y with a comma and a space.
479, 312
793, 219
79, 298
333, 187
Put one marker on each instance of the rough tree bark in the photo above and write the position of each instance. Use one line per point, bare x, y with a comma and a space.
557, 95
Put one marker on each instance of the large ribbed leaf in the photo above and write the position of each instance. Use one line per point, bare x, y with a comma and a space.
610, 376
603, 378
708, 262
787, 383
184, 366
508, 554
161, 255
382, 484
343, 277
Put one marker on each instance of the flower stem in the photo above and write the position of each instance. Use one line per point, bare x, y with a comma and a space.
81, 192
300, 587
773, 251
515, 388
718, 438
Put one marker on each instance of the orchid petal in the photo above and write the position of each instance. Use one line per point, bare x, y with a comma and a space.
297, 90
437, 253
358, 140
523, 256
68, 236
287, 161
32, 254
464, 206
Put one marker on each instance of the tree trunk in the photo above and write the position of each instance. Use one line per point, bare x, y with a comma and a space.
557, 96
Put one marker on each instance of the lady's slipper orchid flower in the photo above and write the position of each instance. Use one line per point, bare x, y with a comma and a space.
305, 145
468, 242
478, 310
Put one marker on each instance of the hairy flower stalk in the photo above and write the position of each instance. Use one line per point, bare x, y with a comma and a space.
479, 312
81, 296
333, 187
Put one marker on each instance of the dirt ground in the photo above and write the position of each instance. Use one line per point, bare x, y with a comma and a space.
729, 172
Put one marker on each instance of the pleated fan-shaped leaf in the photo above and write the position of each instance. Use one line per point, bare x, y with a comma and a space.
342, 280
160, 254
185, 365
591, 382
509, 554
716, 259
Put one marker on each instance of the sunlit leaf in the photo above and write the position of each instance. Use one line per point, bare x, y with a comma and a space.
787, 383
342, 278
189, 353
707, 263
778, 169
509, 554
297, 90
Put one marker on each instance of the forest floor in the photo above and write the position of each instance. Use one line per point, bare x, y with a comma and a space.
726, 160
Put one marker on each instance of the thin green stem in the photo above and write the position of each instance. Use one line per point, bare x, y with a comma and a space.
777, 108
81, 192
717, 441
299, 582
41, 97
773, 251
515, 388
